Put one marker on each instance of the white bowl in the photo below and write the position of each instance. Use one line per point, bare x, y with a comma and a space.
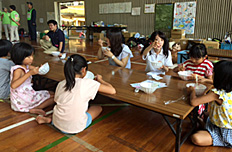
104, 48
156, 65
185, 74
148, 87
89, 75
63, 56
199, 89
44, 69
55, 53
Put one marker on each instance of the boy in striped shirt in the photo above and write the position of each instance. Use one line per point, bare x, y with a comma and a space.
198, 64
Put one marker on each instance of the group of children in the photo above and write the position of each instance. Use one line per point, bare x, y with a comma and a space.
71, 97
71, 112
10, 22
219, 123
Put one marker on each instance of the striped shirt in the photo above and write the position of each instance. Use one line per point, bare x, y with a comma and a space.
204, 69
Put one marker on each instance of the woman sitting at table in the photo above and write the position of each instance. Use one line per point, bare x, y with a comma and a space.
157, 51
118, 54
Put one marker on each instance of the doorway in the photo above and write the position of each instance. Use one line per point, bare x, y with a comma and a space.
72, 13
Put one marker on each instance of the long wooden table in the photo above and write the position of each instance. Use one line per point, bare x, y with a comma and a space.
121, 80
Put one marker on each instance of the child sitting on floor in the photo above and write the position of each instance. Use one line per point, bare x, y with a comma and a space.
23, 97
175, 49
72, 113
5, 66
198, 64
219, 123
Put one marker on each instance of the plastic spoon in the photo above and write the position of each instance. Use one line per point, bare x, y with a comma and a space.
172, 101
196, 81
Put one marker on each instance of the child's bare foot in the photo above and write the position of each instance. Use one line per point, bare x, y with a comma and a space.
41, 119
37, 111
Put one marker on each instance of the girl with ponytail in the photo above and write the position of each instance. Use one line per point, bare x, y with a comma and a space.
72, 113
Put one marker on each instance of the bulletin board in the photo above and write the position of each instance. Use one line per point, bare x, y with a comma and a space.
149, 8
111, 8
135, 11
184, 16
163, 17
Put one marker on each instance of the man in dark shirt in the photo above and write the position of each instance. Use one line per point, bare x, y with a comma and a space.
31, 21
54, 40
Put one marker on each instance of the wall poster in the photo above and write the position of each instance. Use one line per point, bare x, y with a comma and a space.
184, 16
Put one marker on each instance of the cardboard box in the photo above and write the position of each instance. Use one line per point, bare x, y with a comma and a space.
183, 44
127, 35
175, 40
97, 36
196, 40
178, 34
75, 32
178, 31
211, 44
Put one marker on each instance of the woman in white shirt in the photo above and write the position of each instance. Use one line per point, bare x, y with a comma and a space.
157, 51
118, 54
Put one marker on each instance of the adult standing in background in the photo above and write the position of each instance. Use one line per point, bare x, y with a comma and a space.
0, 25
6, 22
14, 23
31, 21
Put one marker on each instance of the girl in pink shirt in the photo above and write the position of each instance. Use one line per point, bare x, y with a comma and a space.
23, 97
71, 114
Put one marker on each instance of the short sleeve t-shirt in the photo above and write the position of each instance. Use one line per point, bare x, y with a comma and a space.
153, 56
57, 37
204, 69
71, 106
221, 115
1, 15
14, 15
125, 52
6, 18
5, 66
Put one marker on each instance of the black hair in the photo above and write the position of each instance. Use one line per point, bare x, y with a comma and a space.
73, 66
175, 44
52, 22
30, 3
116, 39
5, 47
20, 51
12, 7
198, 51
162, 36
223, 76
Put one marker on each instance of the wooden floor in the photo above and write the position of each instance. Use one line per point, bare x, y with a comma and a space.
119, 128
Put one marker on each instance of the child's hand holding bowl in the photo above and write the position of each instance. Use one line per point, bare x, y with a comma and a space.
98, 77
100, 42
34, 71
108, 53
